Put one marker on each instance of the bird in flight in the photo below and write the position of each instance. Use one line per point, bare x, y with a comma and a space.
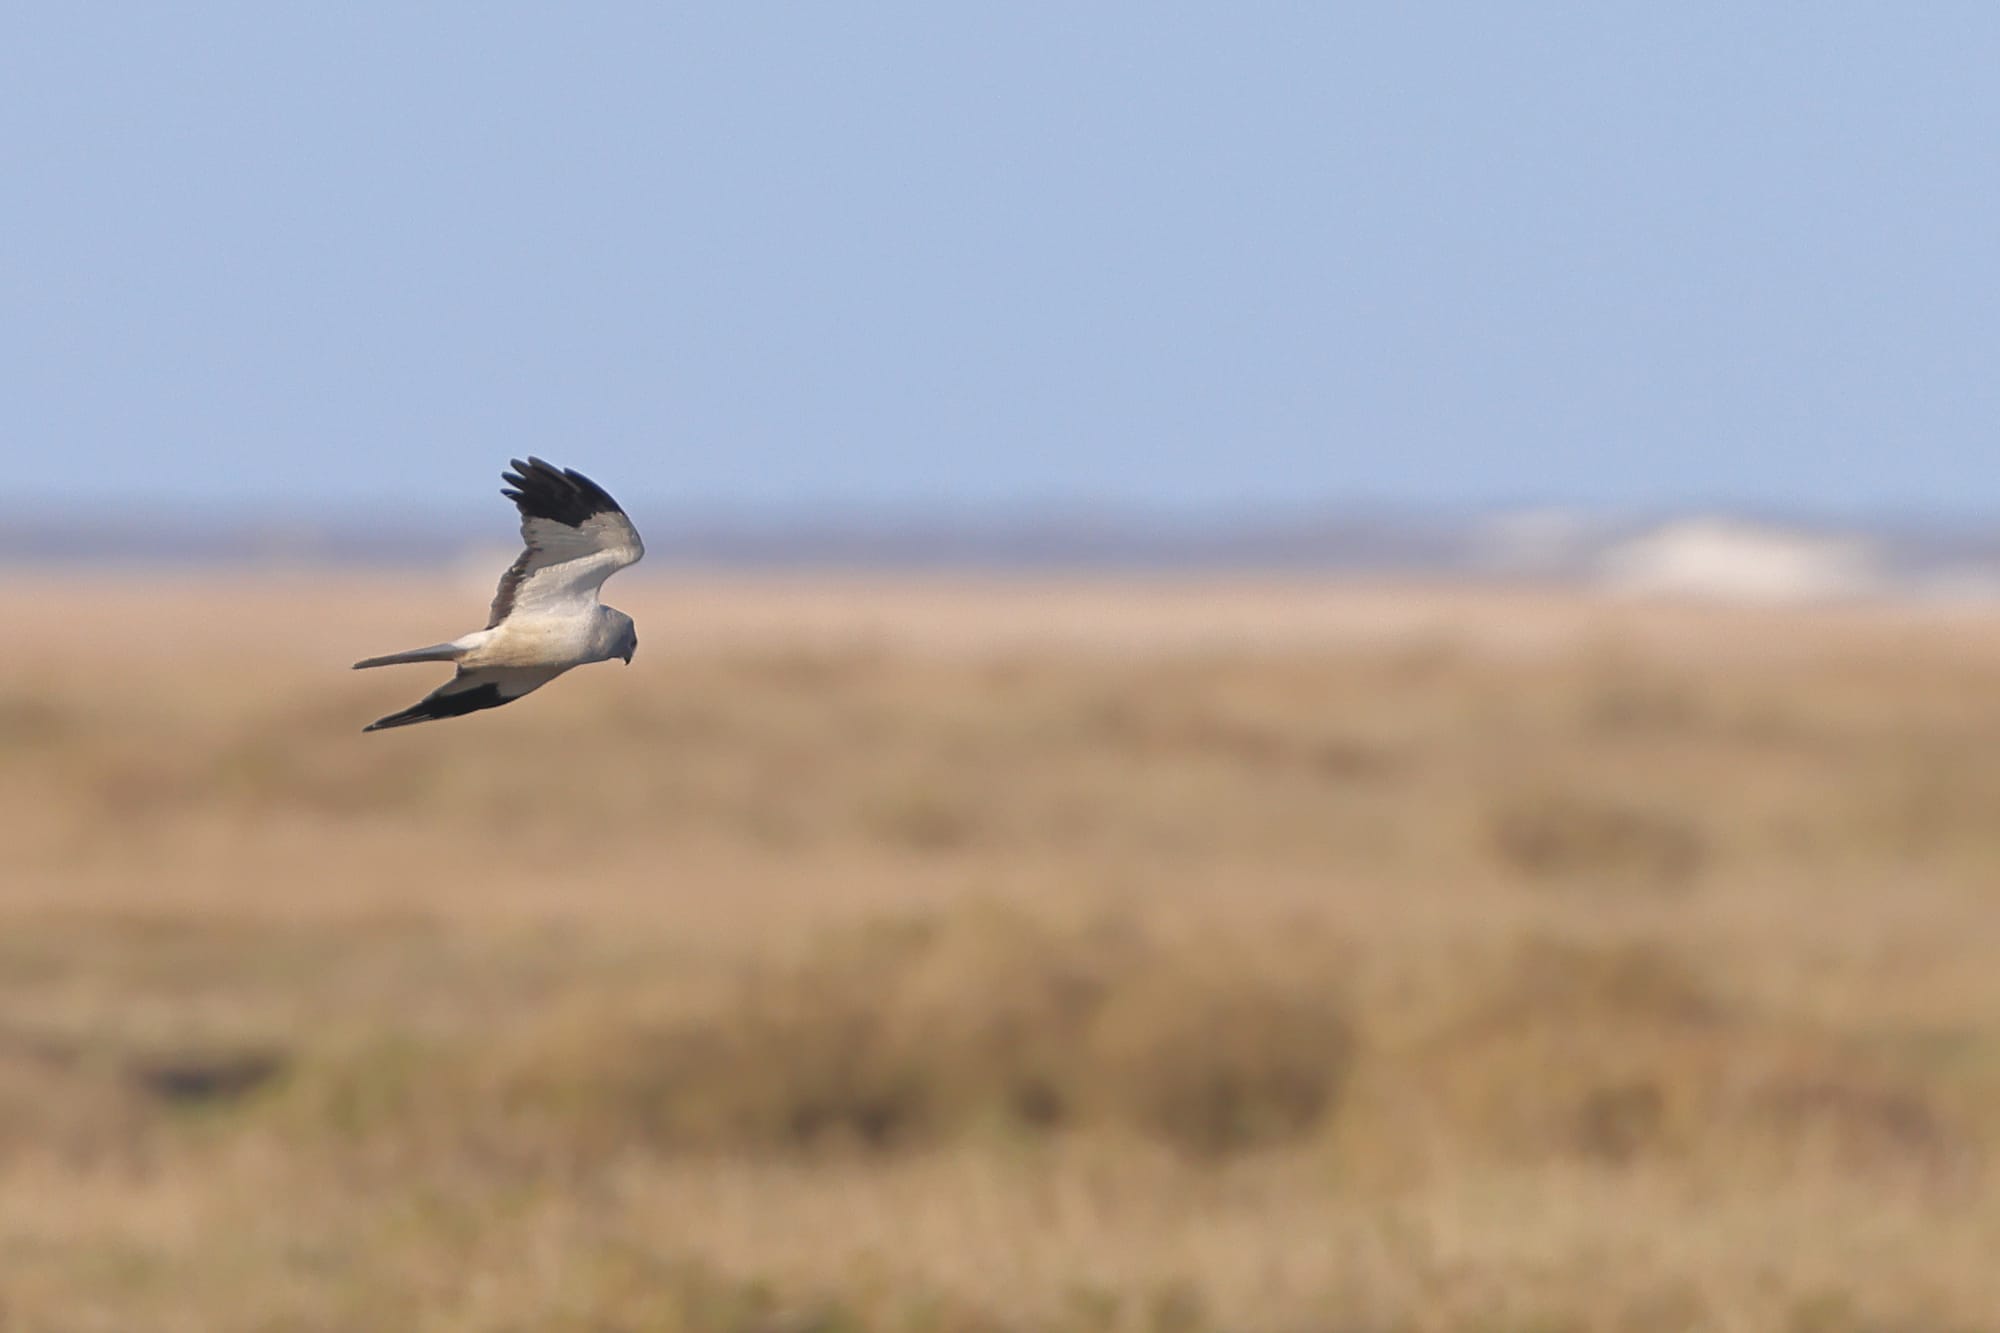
545, 617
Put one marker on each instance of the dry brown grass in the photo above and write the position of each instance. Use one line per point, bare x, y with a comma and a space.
931, 955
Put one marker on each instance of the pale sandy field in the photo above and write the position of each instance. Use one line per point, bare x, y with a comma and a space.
944, 954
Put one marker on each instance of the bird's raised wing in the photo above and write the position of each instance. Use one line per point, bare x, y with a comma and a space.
576, 537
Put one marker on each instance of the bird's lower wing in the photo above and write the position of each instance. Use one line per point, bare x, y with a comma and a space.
469, 692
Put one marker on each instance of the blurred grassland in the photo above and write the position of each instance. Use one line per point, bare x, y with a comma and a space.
939, 955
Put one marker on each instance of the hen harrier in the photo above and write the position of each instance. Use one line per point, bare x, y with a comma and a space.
546, 617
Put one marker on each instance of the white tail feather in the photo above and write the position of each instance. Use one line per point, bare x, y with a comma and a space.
437, 652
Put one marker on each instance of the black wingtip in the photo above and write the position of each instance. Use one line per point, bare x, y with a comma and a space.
563, 495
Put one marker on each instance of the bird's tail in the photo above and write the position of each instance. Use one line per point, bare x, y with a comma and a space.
437, 652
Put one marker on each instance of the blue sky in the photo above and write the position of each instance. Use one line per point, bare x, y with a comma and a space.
929, 254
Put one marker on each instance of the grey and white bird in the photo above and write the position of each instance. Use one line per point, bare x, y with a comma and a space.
545, 617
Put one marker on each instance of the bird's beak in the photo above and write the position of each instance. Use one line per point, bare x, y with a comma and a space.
628, 659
